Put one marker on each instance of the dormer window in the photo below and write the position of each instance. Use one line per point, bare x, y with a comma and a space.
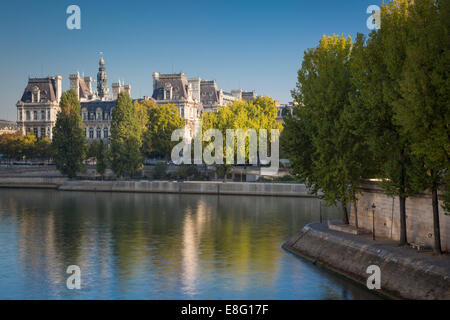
35, 95
168, 92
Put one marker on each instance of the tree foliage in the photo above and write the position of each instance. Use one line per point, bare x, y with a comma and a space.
68, 143
102, 157
161, 122
126, 138
320, 138
256, 114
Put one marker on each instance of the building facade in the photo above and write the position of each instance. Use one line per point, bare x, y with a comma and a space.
8, 127
39, 105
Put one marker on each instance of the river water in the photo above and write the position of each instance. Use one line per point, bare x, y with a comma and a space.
159, 246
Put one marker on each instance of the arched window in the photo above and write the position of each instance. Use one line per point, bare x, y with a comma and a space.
99, 133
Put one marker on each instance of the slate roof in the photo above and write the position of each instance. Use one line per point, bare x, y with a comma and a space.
179, 85
106, 106
208, 92
47, 87
92, 106
84, 90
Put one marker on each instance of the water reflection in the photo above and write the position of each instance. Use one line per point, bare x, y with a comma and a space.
155, 246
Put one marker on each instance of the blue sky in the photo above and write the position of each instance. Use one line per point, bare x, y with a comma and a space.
254, 45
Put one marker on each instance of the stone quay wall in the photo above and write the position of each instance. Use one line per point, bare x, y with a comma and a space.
190, 187
404, 272
419, 216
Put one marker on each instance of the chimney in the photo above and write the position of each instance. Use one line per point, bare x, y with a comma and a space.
116, 90
75, 83
127, 89
58, 88
88, 81
155, 79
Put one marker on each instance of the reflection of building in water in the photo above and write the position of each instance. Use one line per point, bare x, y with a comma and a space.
35, 230
193, 226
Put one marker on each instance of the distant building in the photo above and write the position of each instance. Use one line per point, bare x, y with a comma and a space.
37, 109
39, 105
7, 127
283, 109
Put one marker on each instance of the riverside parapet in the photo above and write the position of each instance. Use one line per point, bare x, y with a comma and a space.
190, 187
405, 273
145, 186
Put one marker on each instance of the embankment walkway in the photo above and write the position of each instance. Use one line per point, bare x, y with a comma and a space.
405, 272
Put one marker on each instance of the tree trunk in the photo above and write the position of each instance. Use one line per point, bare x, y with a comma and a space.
355, 209
344, 213
403, 236
402, 198
437, 232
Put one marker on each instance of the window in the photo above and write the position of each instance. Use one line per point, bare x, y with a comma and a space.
27, 115
91, 133
48, 115
42, 114
99, 116
99, 133
36, 96
105, 133
27, 130
42, 132
35, 117
85, 132
35, 132
20, 115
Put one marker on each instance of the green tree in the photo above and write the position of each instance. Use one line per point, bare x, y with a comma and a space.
376, 70
423, 111
142, 112
256, 114
126, 138
102, 158
26, 146
162, 121
43, 148
9, 145
68, 139
91, 150
320, 139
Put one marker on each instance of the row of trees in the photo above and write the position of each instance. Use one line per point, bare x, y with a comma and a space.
15, 146
256, 114
138, 129
141, 129
377, 107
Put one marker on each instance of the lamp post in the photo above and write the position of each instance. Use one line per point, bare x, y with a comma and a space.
320, 210
373, 221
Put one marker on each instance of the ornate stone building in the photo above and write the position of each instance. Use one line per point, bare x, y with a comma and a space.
177, 90
7, 127
39, 104
205, 94
37, 109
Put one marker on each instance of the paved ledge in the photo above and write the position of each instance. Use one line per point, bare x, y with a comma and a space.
35, 182
405, 273
190, 187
